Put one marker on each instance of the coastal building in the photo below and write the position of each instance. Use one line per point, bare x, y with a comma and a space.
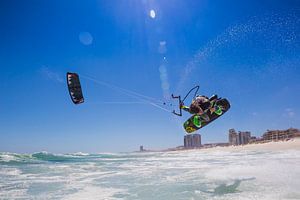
192, 141
242, 137
281, 134
142, 148
254, 139
233, 137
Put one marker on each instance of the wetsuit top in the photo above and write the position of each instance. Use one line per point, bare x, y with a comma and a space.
198, 105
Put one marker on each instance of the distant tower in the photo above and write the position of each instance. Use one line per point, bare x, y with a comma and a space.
141, 148
244, 137
192, 141
233, 137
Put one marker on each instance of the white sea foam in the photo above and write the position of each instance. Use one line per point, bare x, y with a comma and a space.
9, 171
80, 154
6, 158
92, 192
218, 174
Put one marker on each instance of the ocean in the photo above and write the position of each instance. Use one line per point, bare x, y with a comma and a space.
184, 175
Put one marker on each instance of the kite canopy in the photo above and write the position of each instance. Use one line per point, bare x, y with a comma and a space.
74, 88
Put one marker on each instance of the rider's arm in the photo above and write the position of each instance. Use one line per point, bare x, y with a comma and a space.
185, 108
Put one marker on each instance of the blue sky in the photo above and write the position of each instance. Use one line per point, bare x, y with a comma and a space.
246, 51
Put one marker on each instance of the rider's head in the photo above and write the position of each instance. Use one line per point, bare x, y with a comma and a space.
205, 105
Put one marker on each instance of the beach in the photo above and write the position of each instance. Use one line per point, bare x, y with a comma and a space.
292, 144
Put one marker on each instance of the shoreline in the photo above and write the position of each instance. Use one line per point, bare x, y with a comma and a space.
292, 144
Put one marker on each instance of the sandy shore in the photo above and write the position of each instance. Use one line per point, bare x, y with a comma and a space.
293, 144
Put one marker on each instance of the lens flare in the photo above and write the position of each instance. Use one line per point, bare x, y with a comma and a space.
152, 14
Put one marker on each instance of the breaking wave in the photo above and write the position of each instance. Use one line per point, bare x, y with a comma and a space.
14, 158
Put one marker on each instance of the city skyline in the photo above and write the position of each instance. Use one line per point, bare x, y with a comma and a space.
240, 138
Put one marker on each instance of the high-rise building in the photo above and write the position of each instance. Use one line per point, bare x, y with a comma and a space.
244, 137
233, 137
192, 141
141, 148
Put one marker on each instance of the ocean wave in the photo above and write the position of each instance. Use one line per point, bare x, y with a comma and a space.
45, 156
6, 157
14, 158
79, 154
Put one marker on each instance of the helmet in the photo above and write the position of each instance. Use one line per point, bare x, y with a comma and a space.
204, 106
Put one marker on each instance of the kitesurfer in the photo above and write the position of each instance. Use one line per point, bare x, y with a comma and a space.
201, 104
204, 110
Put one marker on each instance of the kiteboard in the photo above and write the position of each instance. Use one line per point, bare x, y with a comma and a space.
197, 122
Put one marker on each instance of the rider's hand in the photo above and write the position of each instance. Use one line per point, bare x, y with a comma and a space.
212, 109
181, 104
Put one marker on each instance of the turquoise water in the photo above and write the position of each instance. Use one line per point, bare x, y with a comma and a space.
186, 175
